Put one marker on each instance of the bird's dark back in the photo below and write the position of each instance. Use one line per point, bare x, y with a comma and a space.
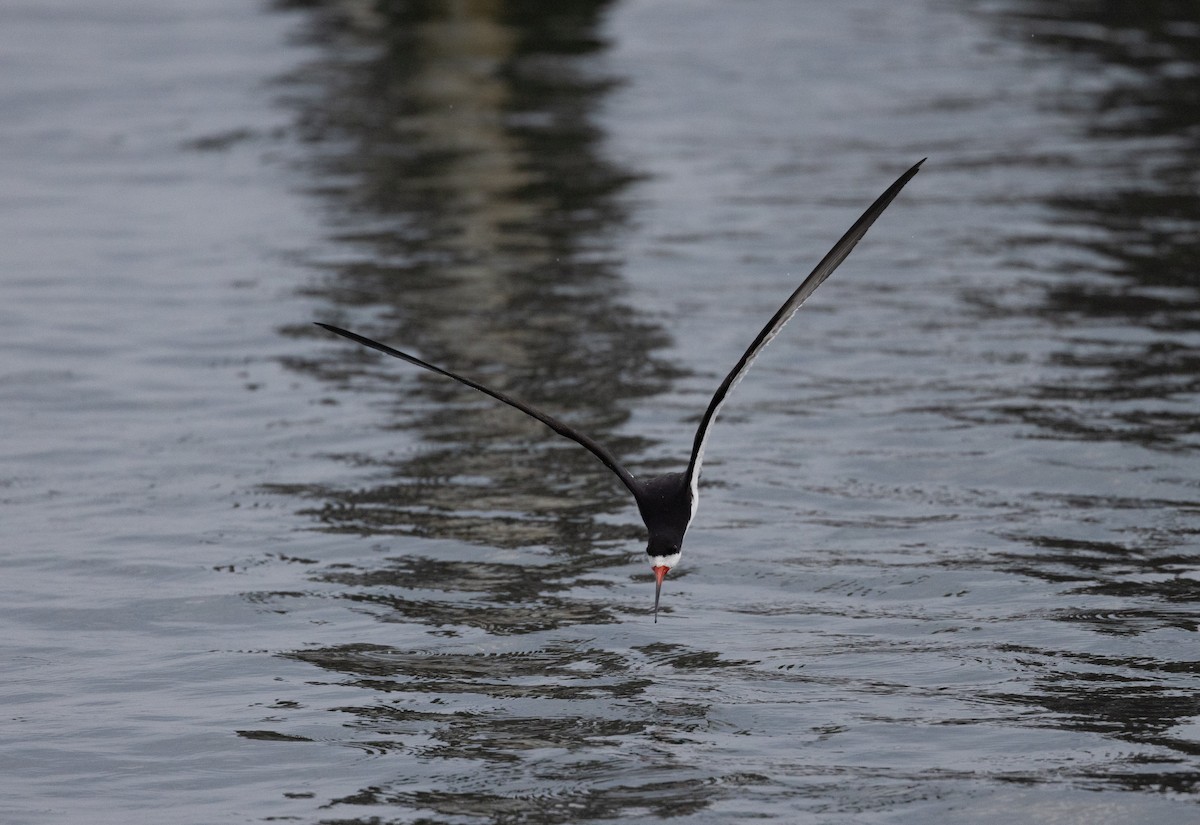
665, 503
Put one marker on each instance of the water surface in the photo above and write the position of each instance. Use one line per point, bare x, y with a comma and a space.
943, 566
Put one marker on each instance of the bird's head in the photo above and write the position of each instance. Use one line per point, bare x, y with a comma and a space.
664, 555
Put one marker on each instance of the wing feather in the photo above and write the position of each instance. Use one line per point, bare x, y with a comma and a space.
823, 270
550, 421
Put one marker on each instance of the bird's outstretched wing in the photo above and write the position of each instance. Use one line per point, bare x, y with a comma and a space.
824, 269
550, 421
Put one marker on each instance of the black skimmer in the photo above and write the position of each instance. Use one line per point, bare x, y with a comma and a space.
668, 502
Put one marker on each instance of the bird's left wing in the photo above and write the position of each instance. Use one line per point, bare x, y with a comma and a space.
823, 270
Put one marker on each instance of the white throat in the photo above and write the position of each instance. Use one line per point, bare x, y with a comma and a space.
665, 561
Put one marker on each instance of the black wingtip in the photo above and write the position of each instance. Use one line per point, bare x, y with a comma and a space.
894, 190
361, 339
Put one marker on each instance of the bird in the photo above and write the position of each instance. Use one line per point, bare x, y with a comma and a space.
667, 503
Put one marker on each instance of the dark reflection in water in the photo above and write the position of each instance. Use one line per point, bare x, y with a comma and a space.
1155, 45
1124, 369
454, 144
1133, 90
571, 700
519, 598
1133, 699
1149, 56
657, 799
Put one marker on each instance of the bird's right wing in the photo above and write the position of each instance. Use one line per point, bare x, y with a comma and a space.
824, 269
550, 421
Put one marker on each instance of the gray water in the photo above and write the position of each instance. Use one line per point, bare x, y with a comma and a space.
944, 567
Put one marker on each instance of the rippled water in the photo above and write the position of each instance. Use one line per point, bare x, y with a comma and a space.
944, 564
